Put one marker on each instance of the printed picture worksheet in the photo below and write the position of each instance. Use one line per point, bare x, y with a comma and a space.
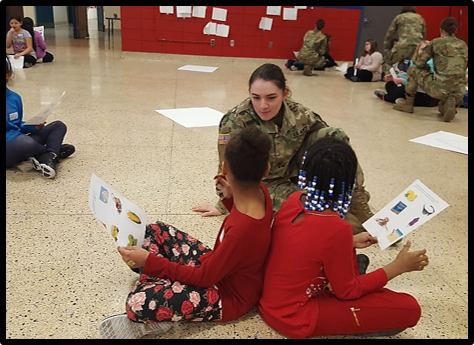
122, 219
413, 207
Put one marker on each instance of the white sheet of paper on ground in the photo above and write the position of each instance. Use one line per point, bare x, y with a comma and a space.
342, 67
193, 117
41, 117
124, 221
413, 207
445, 140
16, 63
196, 68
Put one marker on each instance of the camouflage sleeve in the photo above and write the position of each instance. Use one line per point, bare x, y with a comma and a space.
424, 30
315, 121
421, 60
391, 31
322, 47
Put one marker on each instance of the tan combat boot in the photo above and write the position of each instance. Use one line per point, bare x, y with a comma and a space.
441, 105
308, 70
449, 109
406, 107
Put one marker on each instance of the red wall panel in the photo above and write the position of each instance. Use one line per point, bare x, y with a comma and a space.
145, 29
185, 35
435, 14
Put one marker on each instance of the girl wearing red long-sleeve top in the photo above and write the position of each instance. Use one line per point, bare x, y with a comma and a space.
312, 285
184, 280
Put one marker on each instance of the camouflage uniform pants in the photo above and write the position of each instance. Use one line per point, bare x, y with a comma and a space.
315, 61
397, 53
281, 188
434, 87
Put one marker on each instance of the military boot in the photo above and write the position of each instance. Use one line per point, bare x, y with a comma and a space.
449, 109
308, 70
360, 204
441, 105
406, 107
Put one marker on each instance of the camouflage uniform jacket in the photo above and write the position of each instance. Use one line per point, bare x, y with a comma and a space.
298, 121
450, 57
410, 27
314, 48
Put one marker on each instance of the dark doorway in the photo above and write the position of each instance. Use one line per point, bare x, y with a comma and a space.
374, 23
45, 16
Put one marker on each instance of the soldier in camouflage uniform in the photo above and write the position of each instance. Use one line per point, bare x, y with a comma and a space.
292, 128
313, 50
448, 83
411, 30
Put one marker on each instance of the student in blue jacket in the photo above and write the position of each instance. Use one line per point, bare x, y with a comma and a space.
42, 144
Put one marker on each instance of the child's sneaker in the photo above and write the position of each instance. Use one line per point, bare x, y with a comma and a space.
380, 94
46, 163
66, 150
120, 327
400, 100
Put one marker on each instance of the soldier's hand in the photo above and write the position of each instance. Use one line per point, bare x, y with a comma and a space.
207, 210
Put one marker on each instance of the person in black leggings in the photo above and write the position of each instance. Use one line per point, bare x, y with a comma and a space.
395, 92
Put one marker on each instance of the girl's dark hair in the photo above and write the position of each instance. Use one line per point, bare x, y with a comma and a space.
374, 47
28, 21
28, 25
269, 72
247, 154
331, 159
8, 65
450, 25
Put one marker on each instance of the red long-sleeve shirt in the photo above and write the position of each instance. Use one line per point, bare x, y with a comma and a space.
235, 264
303, 258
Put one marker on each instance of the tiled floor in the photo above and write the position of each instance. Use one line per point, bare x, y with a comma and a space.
63, 273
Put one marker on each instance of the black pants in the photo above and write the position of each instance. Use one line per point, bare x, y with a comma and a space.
362, 74
48, 57
421, 98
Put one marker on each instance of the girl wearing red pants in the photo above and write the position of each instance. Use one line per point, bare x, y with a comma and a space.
312, 285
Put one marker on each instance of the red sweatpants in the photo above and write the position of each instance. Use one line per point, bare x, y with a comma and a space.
383, 310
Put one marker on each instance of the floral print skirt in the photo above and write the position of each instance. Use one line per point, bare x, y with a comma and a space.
155, 299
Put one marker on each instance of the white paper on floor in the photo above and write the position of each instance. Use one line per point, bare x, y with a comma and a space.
195, 68
343, 67
444, 140
193, 117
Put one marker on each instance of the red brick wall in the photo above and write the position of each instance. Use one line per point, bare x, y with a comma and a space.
145, 29
435, 14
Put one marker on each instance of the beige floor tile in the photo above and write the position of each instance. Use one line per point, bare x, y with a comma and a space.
63, 274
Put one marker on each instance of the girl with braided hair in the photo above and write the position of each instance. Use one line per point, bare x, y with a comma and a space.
312, 285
